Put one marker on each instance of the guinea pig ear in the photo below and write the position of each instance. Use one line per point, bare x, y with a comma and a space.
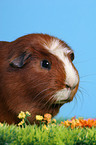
21, 60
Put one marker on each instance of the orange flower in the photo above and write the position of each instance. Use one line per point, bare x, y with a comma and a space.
49, 120
90, 122
47, 117
62, 123
94, 123
79, 123
73, 124
84, 123
66, 123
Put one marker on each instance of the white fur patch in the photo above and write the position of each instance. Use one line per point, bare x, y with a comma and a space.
71, 75
62, 95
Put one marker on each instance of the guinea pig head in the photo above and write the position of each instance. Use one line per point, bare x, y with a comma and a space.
40, 76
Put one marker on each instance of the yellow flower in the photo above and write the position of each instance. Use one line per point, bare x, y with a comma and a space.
45, 127
53, 120
21, 115
27, 113
21, 123
1, 124
39, 117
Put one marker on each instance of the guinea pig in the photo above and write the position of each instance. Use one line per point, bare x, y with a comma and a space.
36, 75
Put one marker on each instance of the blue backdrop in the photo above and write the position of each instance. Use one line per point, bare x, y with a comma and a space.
70, 20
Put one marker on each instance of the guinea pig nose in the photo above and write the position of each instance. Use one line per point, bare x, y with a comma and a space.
69, 87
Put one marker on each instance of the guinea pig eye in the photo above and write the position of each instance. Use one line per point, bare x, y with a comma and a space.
72, 56
46, 64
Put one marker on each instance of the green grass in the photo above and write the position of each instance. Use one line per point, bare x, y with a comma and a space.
55, 135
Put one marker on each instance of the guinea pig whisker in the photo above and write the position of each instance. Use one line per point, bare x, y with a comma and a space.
81, 102
83, 90
86, 81
71, 109
41, 100
75, 99
81, 99
52, 102
45, 97
80, 92
78, 96
74, 104
39, 84
88, 75
41, 93
48, 101
51, 98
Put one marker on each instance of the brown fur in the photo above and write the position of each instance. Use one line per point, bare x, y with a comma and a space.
29, 87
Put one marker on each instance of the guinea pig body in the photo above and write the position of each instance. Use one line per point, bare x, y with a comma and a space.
36, 75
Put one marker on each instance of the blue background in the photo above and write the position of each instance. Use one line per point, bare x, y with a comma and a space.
73, 21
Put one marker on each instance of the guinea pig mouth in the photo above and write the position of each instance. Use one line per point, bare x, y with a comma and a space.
63, 101
63, 96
